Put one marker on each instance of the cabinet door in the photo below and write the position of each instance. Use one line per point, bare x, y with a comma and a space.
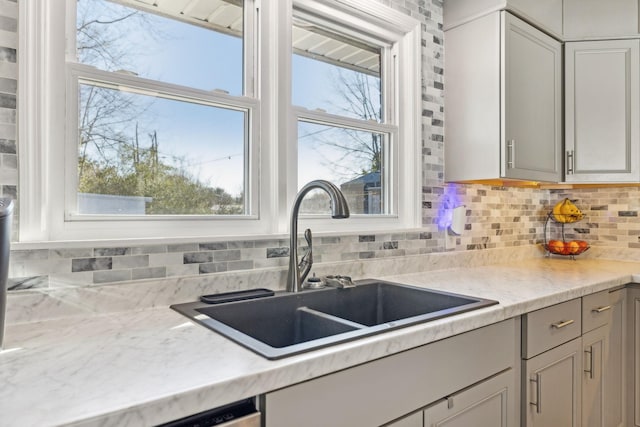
595, 352
633, 331
551, 387
413, 420
603, 388
487, 404
532, 134
615, 371
602, 129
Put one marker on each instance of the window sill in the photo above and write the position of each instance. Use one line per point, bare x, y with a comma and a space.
91, 243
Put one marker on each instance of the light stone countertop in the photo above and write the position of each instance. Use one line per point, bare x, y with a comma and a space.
150, 366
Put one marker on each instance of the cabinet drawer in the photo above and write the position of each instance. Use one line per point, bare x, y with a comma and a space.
550, 327
596, 309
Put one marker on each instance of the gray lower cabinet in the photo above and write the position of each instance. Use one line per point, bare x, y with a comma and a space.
414, 420
394, 390
552, 366
484, 404
603, 347
552, 388
602, 111
633, 355
574, 362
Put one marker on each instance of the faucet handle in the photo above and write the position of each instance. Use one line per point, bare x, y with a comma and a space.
307, 259
339, 281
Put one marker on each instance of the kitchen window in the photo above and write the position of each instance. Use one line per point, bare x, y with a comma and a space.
204, 117
343, 135
153, 134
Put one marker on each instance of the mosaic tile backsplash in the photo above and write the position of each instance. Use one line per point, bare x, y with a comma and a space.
497, 217
611, 216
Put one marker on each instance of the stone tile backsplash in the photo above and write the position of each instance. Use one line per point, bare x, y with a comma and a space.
496, 217
53, 268
611, 216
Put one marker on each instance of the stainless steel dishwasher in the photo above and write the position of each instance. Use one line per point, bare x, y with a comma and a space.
237, 414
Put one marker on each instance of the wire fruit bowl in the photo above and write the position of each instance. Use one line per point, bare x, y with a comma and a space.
570, 248
562, 246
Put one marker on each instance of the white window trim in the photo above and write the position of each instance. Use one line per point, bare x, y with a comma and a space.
386, 26
42, 127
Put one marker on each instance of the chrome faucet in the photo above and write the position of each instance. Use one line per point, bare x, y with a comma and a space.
339, 209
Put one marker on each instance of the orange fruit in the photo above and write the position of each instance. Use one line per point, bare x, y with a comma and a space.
583, 245
573, 247
556, 246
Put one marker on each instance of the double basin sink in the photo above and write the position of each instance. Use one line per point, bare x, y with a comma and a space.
291, 323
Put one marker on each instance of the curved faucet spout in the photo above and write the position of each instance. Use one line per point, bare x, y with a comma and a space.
339, 209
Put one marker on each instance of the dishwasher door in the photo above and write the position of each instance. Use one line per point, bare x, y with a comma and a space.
238, 414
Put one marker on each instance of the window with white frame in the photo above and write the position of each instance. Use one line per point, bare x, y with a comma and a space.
342, 93
205, 117
154, 133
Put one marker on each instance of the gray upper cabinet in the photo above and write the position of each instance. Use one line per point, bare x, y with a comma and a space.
545, 14
600, 19
602, 115
503, 108
533, 108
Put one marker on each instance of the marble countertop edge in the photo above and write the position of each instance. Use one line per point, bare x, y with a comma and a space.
174, 368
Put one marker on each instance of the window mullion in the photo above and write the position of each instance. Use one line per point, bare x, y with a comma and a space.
251, 32
334, 120
135, 84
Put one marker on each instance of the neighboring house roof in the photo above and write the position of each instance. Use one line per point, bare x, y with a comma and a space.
368, 179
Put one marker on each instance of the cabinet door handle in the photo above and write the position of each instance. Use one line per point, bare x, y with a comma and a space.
561, 325
601, 309
590, 370
569, 162
511, 150
538, 402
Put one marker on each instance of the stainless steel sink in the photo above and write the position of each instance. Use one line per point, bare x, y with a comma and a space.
292, 323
